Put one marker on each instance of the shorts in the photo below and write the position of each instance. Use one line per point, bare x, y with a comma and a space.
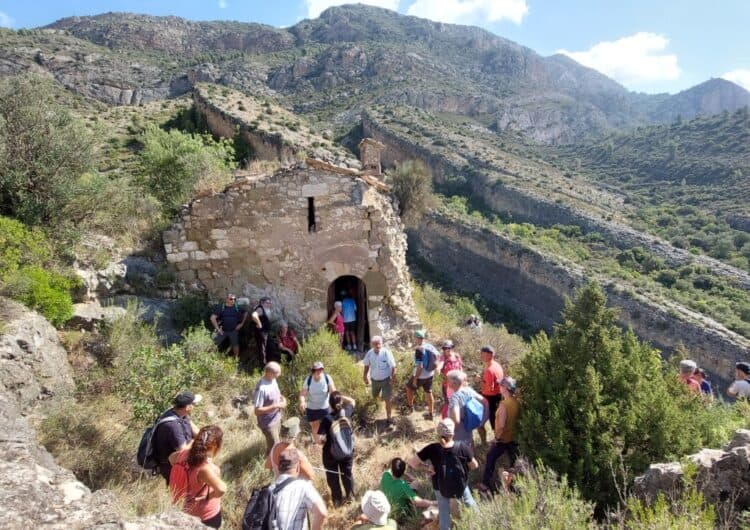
233, 336
425, 384
315, 414
383, 387
351, 326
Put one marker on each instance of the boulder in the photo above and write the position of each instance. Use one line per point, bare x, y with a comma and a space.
89, 315
659, 478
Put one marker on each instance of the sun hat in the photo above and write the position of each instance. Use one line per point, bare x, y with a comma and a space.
376, 507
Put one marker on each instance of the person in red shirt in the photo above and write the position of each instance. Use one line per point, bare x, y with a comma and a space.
287, 340
687, 369
449, 360
490, 379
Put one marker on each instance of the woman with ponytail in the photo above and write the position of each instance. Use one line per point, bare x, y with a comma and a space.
336, 429
196, 479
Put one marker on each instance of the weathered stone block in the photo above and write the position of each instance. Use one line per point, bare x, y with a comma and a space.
187, 246
177, 257
198, 255
313, 190
218, 254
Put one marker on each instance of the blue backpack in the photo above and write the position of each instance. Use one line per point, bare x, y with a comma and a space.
473, 415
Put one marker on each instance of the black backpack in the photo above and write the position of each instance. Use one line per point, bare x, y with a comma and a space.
261, 511
145, 454
451, 475
341, 437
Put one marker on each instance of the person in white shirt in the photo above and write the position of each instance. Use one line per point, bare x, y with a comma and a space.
296, 498
380, 369
740, 388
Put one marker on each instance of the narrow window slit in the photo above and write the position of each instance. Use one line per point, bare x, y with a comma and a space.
311, 214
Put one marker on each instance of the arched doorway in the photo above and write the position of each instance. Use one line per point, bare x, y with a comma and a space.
351, 286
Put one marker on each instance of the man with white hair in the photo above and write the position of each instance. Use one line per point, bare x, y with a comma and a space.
687, 369
380, 368
268, 404
461, 395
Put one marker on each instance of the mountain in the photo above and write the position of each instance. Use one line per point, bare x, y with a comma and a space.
349, 58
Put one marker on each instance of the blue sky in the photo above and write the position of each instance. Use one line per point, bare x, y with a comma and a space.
649, 46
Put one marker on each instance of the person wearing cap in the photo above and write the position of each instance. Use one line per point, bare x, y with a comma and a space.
505, 432
313, 398
261, 316
268, 404
227, 320
177, 432
490, 389
461, 395
740, 388
380, 368
375, 511
687, 369
296, 499
450, 360
421, 377
290, 430
447, 481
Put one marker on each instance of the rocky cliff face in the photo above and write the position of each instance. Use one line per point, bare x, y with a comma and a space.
34, 491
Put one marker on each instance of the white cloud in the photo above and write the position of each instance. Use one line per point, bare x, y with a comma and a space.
5, 20
633, 60
470, 11
316, 7
741, 77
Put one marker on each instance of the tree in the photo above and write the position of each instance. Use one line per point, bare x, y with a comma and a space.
43, 151
412, 185
596, 397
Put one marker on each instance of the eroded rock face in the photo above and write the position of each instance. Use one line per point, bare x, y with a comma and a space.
34, 491
723, 475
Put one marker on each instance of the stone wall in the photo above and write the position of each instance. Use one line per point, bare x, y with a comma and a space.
534, 286
254, 239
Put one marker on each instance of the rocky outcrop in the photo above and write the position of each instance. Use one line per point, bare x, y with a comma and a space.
534, 286
723, 475
34, 491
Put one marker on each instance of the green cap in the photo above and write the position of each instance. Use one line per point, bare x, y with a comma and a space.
420, 334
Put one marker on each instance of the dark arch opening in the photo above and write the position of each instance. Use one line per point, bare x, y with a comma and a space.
352, 287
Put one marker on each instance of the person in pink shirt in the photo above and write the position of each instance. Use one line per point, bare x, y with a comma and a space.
449, 360
337, 322
204, 489
687, 369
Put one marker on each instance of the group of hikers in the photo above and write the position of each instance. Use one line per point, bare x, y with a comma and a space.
184, 454
695, 379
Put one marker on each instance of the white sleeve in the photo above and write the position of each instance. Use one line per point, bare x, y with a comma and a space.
259, 397
733, 387
391, 359
366, 361
310, 495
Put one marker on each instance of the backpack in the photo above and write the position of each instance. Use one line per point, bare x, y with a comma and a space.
261, 511
451, 474
432, 359
328, 383
341, 436
179, 481
145, 454
473, 414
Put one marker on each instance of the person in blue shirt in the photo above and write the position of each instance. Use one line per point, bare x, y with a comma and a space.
700, 376
421, 376
349, 312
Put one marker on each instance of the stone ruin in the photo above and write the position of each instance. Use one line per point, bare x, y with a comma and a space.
369, 156
300, 236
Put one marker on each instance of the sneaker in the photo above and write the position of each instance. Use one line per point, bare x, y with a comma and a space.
429, 417
390, 422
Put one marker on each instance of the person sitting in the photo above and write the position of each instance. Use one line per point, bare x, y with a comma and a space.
204, 488
227, 320
287, 340
296, 499
400, 494
375, 511
687, 369
289, 432
740, 388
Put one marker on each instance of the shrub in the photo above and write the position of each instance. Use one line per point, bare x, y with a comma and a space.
340, 366
191, 310
20, 246
412, 185
43, 290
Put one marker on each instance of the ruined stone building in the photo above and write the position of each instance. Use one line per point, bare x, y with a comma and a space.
302, 235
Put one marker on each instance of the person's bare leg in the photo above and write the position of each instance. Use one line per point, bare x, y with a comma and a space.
482, 433
430, 403
314, 425
410, 396
388, 409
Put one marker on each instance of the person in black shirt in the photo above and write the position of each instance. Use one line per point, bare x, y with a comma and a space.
175, 434
340, 406
449, 463
227, 320
262, 321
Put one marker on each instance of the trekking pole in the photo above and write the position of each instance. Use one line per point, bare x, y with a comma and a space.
327, 470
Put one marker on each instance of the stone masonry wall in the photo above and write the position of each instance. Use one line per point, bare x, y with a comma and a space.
253, 239
534, 286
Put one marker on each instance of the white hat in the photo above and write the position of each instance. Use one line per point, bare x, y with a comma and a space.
376, 507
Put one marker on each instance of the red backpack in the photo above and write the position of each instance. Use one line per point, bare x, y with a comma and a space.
179, 481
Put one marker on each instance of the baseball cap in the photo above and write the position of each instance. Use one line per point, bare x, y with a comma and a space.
446, 428
448, 344
420, 334
317, 365
488, 349
183, 399
743, 367
509, 383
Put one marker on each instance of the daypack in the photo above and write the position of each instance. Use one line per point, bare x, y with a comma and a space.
451, 475
328, 383
473, 415
432, 359
179, 482
341, 436
261, 511
145, 454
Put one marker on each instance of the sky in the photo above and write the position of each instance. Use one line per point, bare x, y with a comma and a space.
648, 46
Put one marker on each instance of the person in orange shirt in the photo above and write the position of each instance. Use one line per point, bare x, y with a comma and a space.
490, 379
687, 369
289, 431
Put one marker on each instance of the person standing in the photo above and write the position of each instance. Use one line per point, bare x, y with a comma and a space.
204, 488
505, 432
268, 404
175, 430
700, 376
449, 462
338, 468
449, 360
687, 369
336, 322
490, 380
349, 311
380, 369
227, 320
313, 398
296, 499
261, 316
289, 432
740, 388
424, 371
461, 394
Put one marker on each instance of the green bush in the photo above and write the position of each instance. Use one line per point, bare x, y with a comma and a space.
45, 291
191, 310
21, 246
340, 366
150, 376
412, 185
